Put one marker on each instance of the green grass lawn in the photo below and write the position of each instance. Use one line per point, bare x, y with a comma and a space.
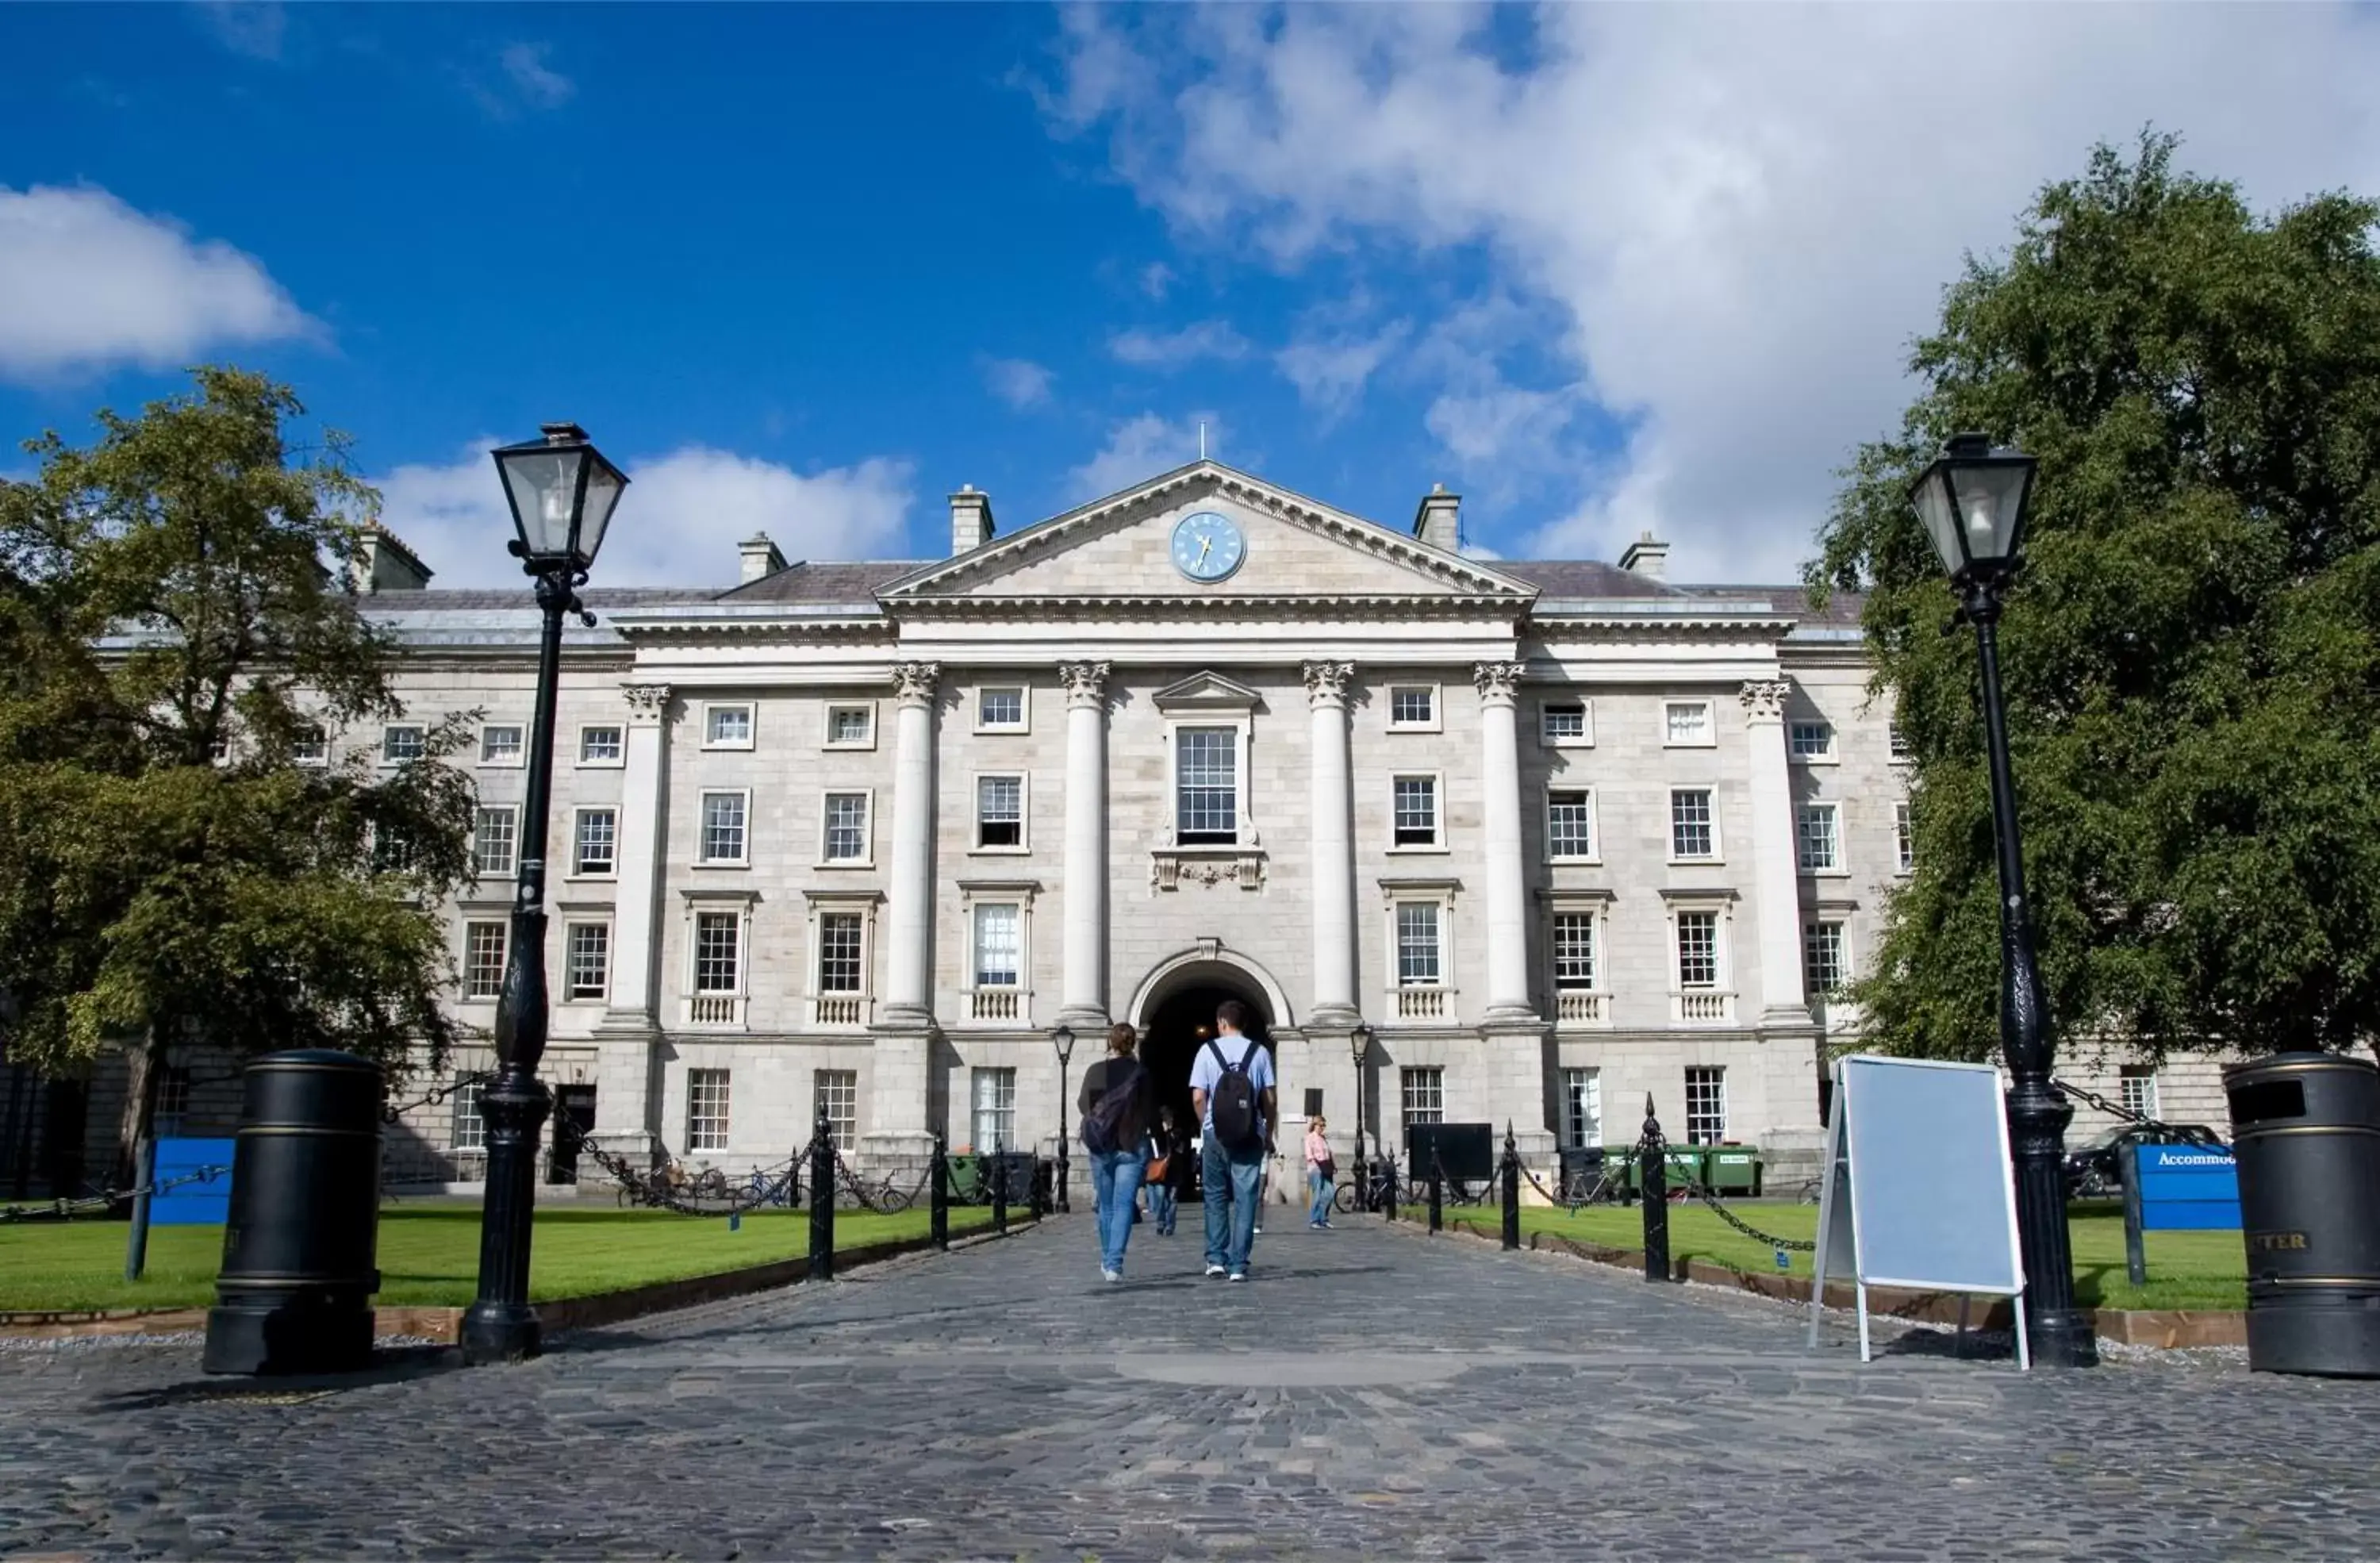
2186, 1269
429, 1254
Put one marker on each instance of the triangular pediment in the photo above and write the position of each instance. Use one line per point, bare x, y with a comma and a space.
1207, 693
1121, 548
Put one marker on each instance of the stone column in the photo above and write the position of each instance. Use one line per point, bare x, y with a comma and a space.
626, 1103
909, 962
1500, 774
1776, 871
1084, 988
1333, 848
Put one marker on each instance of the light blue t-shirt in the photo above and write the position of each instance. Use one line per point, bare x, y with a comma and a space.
1206, 1072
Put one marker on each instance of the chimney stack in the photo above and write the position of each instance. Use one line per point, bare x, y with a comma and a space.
1648, 556
760, 558
970, 520
383, 563
1440, 521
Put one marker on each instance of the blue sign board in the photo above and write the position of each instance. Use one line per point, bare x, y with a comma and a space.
2187, 1188
204, 1201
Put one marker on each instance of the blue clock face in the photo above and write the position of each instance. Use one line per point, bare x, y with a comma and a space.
1206, 546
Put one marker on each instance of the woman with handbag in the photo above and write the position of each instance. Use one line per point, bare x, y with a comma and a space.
1320, 1172
1169, 1163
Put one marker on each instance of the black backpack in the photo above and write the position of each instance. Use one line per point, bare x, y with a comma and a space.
1103, 1125
1233, 1103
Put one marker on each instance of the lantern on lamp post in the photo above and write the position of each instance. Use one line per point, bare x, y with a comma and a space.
1359, 1044
1063, 1039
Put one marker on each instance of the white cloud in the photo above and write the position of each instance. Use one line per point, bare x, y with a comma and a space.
539, 84
678, 524
1739, 223
1156, 279
1138, 449
1331, 370
1175, 349
1020, 382
87, 281
255, 29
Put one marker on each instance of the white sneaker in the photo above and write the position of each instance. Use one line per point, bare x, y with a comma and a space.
1256, 1231
1112, 1274
1239, 1275
1214, 1270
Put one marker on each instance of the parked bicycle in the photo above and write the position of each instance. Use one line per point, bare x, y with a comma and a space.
784, 1191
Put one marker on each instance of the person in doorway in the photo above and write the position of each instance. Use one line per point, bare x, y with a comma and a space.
1170, 1149
1115, 1104
1232, 1091
1320, 1173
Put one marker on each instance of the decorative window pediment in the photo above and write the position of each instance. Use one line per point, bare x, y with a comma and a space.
1208, 693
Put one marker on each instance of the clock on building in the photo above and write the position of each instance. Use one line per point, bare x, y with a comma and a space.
1207, 545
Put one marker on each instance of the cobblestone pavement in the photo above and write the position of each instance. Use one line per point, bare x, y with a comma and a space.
1373, 1394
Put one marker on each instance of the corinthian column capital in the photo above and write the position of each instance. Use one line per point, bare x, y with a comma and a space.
1086, 683
1764, 699
1326, 683
647, 703
914, 683
1498, 683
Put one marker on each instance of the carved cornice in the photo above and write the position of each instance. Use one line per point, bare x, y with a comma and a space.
1498, 683
647, 703
1087, 684
914, 683
1326, 683
1764, 699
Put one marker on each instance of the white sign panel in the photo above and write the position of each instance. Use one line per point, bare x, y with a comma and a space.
1921, 1191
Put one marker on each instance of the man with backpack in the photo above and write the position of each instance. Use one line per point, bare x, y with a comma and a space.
1231, 1087
1116, 1105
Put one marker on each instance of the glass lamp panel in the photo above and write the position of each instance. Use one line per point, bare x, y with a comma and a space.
542, 484
1932, 497
1991, 497
603, 487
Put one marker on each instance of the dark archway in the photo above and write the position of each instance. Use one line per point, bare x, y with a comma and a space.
1181, 1024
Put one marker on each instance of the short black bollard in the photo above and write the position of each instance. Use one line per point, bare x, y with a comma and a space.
1436, 1193
1653, 1171
1512, 1189
1388, 1185
939, 1204
997, 1170
822, 1196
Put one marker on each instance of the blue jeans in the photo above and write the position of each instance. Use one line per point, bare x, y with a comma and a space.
1231, 1193
1320, 1213
1164, 1206
1115, 1184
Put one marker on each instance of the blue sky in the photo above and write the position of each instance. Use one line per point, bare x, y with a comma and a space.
1602, 270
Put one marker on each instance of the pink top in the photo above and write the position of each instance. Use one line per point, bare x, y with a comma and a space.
1318, 1149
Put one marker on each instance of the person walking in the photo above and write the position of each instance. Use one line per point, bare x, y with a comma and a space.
1116, 1103
1232, 1091
1170, 1149
1320, 1172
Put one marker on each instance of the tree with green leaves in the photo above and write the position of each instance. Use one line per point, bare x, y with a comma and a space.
184, 857
2193, 647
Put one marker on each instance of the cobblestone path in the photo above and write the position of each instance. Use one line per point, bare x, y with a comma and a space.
1373, 1394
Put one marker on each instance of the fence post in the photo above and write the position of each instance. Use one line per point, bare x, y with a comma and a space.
1436, 1193
2137, 1259
938, 1198
1389, 1184
997, 1170
144, 1173
1653, 1173
1511, 1170
822, 1196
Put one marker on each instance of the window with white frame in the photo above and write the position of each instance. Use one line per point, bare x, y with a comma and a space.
999, 944
586, 960
846, 828
851, 727
500, 743
603, 744
726, 726
706, 1110
1413, 707
467, 1131
718, 951
723, 833
1693, 832
310, 745
484, 959
392, 850
1424, 1091
1824, 967
1570, 824
1575, 950
1420, 943
838, 1092
2136, 1089
1811, 740
173, 1101
999, 812
402, 744
1904, 838
1565, 723
1899, 740
1817, 837
999, 709
1206, 786
219, 751
1706, 1105
994, 1095
595, 842
1581, 1102
495, 840
842, 945
1415, 804
1686, 725
1697, 950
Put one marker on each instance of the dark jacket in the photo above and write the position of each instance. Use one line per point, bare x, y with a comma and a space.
1175, 1148
1133, 1128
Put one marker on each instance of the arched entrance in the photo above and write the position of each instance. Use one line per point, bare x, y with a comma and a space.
1175, 1005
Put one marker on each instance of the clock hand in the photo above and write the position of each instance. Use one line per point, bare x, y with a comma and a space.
1205, 544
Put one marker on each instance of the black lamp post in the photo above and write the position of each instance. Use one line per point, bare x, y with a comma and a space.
563, 493
1972, 502
1359, 1043
1064, 1040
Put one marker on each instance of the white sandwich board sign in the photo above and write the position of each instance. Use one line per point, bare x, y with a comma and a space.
1919, 1191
